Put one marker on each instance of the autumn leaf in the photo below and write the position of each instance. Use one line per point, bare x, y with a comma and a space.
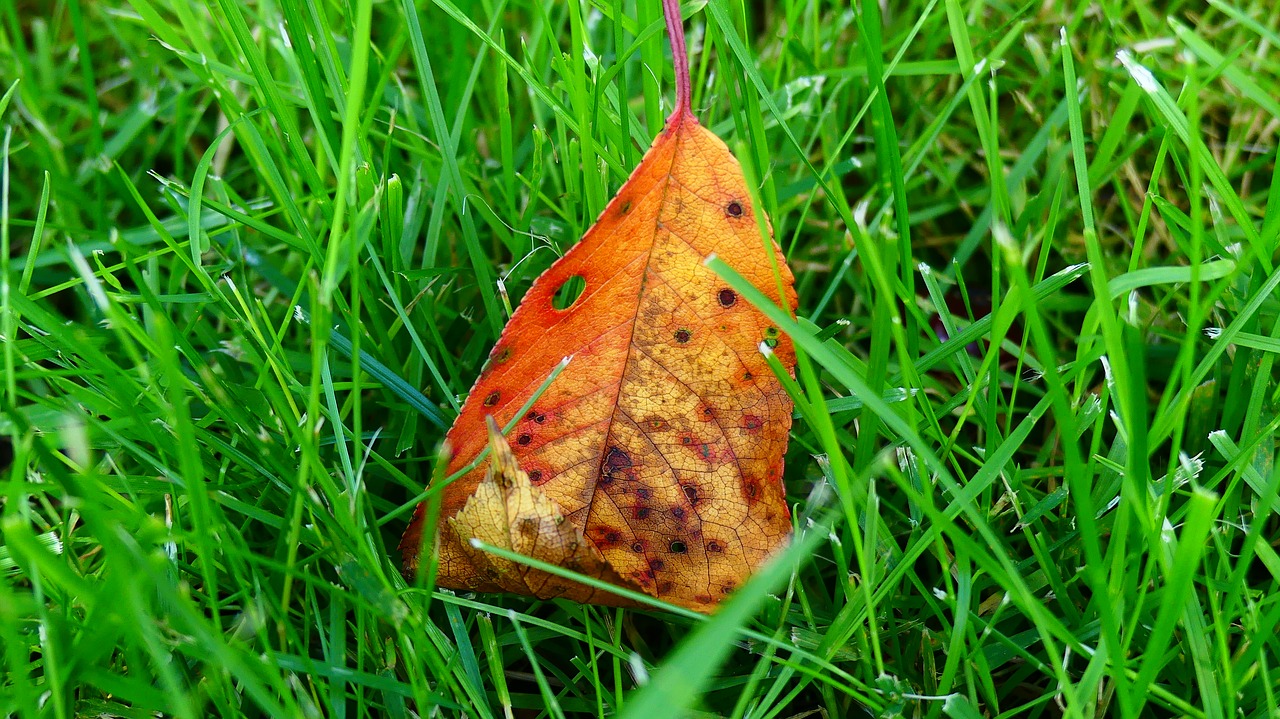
662, 441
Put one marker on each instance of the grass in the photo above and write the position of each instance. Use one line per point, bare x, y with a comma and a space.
252, 254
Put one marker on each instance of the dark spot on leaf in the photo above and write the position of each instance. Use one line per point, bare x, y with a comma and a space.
771, 332
535, 476
677, 512
613, 537
751, 489
615, 461
690, 493
714, 546
656, 424
747, 375
665, 587
727, 297
686, 439
637, 547
625, 207
683, 336
642, 513
502, 355
568, 292
734, 209
703, 599
492, 399
657, 565
643, 493
524, 439
727, 588
751, 422
536, 416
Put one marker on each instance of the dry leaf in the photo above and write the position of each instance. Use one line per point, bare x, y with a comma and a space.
662, 441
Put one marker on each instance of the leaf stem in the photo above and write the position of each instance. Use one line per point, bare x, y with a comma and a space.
679, 60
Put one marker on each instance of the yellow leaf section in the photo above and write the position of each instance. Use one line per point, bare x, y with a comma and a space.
507, 511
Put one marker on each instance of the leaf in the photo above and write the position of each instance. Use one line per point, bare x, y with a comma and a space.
662, 441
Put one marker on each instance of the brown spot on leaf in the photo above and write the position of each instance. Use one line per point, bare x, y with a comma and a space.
752, 423
690, 493
727, 297
734, 209
535, 476
714, 546
657, 565
683, 336
642, 512
492, 399
616, 459
524, 439
677, 512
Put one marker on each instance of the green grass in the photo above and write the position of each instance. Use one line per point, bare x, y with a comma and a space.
252, 255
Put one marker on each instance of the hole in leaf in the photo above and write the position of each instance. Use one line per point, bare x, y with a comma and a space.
678, 547
569, 292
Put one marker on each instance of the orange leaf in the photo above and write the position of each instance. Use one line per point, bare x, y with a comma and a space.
662, 441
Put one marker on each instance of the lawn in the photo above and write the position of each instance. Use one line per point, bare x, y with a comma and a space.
253, 255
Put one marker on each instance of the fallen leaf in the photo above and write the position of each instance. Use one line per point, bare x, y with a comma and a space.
662, 441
